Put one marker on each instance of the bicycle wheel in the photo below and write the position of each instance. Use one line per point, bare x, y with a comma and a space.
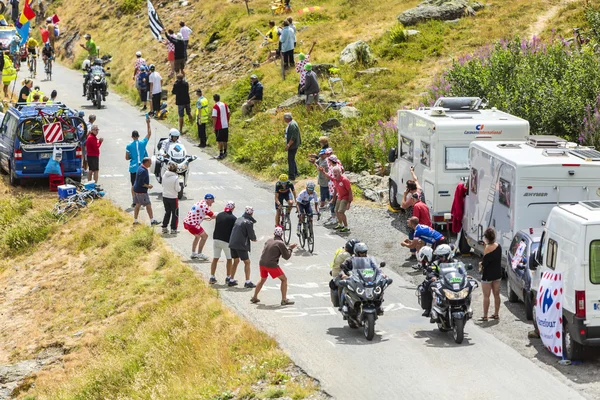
287, 227
311, 237
73, 127
302, 236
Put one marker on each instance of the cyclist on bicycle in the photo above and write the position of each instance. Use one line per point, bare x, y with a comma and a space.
303, 200
47, 55
32, 45
284, 189
15, 49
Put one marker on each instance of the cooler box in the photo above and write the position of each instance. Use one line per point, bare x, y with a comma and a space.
65, 191
90, 185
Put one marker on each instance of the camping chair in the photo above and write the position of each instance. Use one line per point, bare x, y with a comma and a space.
332, 81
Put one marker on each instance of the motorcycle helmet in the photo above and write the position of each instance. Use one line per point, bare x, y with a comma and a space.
349, 246
173, 133
310, 186
443, 252
98, 61
361, 248
86, 64
425, 254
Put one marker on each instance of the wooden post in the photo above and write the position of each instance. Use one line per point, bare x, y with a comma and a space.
282, 66
247, 8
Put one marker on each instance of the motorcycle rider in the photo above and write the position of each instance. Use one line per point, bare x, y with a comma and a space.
85, 66
96, 68
342, 254
432, 259
164, 148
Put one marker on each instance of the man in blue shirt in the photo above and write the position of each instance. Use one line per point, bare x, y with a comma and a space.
423, 234
135, 153
140, 191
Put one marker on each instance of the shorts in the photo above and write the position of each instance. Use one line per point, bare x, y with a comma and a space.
143, 94
194, 230
325, 195
179, 64
141, 199
495, 280
218, 246
274, 272
241, 254
132, 176
223, 135
284, 197
341, 206
31, 51
305, 208
171, 56
93, 163
312, 98
442, 240
185, 109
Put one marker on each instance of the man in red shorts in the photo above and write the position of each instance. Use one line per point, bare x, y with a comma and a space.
199, 212
269, 265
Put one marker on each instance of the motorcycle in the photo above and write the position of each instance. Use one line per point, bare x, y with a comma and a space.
97, 86
178, 155
452, 298
363, 295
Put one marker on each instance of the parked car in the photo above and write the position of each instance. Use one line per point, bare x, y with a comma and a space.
522, 282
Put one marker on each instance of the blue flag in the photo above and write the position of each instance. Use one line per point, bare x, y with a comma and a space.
23, 32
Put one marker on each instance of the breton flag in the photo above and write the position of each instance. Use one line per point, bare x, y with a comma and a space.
53, 132
23, 22
155, 25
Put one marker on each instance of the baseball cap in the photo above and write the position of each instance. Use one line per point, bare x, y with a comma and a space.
249, 210
253, 76
209, 196
229, 206
278, 231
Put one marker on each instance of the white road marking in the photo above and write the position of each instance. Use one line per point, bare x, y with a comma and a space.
324, 311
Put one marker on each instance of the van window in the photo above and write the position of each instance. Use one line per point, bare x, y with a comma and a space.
595, 261
406, 148
425, 158
473, 181
504, 192
457, 158
552, 250
11, 126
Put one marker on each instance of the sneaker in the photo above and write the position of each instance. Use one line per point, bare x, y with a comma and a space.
203, 257
412, 257
345, 309
249, 285
136, 222
227, 279
132, 205
144, 108
174, 231
232, 282
345, 229
338, 227
165, 230
154, 222
287, 302
212, 280
194, 256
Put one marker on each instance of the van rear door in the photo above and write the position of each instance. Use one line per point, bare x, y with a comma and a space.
592, 276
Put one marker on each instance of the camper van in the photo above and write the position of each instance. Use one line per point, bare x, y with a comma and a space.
436, 142
570, 245
513, 185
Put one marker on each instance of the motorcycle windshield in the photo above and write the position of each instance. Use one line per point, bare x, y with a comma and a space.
454, 275
365, 268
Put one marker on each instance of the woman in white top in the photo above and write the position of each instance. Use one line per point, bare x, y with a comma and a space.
170, 184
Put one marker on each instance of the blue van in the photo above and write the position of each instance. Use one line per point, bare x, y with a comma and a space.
24, 152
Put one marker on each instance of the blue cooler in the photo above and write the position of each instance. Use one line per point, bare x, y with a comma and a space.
65, 191
90, 185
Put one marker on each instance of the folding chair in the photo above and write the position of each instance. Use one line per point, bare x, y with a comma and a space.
333, 81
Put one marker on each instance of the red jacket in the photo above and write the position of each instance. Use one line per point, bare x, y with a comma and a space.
421, 211
458, 207
92, 146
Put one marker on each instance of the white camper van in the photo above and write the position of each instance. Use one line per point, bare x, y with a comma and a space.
570, 245
514, 185
436, 142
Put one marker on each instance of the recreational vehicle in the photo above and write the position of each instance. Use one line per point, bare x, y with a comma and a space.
513, 185
435, 141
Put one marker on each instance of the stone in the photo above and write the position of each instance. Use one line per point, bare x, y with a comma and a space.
292, 101
349, 112
350, 55
412, 32
322, 69
69, 43
212, 46
453, 21
272, 111
442, 10
352, 177
184, 3
330, 124
192, 57
374, 71
370, 181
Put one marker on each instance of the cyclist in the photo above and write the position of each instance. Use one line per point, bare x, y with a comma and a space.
32, 45
15, 50
284, 189
48, 56
303, 200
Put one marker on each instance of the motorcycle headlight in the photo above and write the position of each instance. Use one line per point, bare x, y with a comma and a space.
360, 291
450, 295
378, 290
369, 293
97, 78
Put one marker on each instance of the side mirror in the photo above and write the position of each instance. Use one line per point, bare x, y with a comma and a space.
107, 74
469, 267
382, 264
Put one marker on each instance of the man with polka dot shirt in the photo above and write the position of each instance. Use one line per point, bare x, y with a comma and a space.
192, 223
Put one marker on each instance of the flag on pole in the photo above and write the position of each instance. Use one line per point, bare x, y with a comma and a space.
23, 22
55, 19
156, 25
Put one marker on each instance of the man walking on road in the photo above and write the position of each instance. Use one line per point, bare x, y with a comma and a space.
239, 243
192, 223
181, 90
135, 152
269, 265
202, 115
293, 141
155, 81
140, 189
223, 227
139, 61
220, 116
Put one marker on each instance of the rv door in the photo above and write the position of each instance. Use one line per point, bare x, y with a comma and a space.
592, 276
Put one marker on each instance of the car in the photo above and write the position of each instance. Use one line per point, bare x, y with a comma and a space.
520, 281
6, 36
24, 152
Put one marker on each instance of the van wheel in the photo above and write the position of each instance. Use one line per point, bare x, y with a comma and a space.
393, 191
571, 349
14, 181
512, 296
528, 305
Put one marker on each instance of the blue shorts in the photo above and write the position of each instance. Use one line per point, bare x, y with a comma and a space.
325, 195
305, 208
184, 109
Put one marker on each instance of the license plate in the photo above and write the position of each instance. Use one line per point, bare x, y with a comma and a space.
180, 179
45, 155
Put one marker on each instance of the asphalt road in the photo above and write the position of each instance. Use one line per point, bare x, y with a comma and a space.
408, 357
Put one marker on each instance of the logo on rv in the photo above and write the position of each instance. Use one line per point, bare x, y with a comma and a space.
479, 131
479, 127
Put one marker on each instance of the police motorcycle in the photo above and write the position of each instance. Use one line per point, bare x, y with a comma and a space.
446, 292
363, 291
175, 153
95, 85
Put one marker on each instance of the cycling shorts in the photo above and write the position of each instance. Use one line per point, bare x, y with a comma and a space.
284, 197
305, 208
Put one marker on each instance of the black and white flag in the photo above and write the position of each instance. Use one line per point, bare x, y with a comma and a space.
156, 25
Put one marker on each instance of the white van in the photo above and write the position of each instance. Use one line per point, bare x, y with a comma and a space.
570, 245
514, 185
436, 142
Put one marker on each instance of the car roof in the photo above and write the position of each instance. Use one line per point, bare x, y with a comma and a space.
536, 236
31, 110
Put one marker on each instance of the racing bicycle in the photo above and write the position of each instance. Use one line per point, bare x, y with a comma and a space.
305, 231
73, 127
48, 68
286, 222
32, 63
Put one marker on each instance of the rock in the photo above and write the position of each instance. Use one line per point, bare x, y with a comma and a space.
184, 3
69, 43
443, 10
412, 32
352, 177
272, 111
349, 112
292, 101
330, 124
192, 56
364, 173
212, 46
78, 333
214, 37
322, 69
373, 71
453, 21
369, 181
357, 52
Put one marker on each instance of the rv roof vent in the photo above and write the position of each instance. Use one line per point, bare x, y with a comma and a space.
555, 153
509, 146
591, 204
587, 154
462, 116
438, 112
459, 103
543, 141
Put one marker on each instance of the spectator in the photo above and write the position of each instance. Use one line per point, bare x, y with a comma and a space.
185, 34
323, 180
223, 227
135, 152
324, 143
181, 90
192, 223
142, 86
52, 32
269, 265
9, 72
344, 197
302, 61
155, 81
90, 46
53, 96
290, 21
311, 88
423, 234
420, 210
293, 141
139, 61
220, 117
179, 64
89, 124
202, 115
273, 33
491, 273
255, 96
14, 11
170, 53
170, 184
140, 189
412, 187
288, 38
92, 146
25, 90
239, 243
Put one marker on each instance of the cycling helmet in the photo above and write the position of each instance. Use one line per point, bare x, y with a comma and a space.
443, 251
425, 254
174, 132
360, 248
209, 196
97, 61
283, 178
249, 210
85, 64
47, 44
349, 246
310, 186
278, 231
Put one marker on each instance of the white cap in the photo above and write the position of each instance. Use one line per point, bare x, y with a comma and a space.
249, 210
138, 53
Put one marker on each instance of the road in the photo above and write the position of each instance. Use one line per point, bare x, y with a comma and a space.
407, 358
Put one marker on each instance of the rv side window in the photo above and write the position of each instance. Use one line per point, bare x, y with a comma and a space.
595, 262
504, 192
552, 250
457, 158
425, 153
406, 148
473, 183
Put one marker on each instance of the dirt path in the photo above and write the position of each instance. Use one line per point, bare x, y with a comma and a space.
542, 21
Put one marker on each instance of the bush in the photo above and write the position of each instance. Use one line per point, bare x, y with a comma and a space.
130, 6
13, 208
29, 230
592, 15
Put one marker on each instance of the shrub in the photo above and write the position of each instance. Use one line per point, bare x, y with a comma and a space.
28, 231
13, 208
592, 15
397, 34
130, 6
